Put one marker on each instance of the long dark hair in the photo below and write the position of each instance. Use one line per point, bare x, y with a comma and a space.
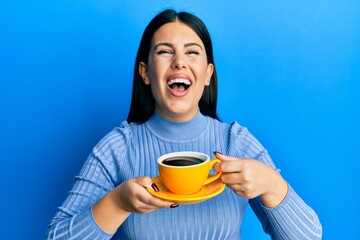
142, 101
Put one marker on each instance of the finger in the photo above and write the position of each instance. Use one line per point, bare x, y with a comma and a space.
228, 163
239, 190
144, 202
219, 156
149, 199
231, 178
159, 203
144, 181
225, 158
230, 167
236, 187
246, 194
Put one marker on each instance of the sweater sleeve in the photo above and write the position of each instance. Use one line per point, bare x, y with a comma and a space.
74, 219
292, 218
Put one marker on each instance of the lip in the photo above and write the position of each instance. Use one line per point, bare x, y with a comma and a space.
178, 76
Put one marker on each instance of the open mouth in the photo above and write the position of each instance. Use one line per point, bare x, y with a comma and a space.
179, 84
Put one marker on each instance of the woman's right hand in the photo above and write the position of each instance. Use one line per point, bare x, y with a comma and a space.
134, 198
129, 197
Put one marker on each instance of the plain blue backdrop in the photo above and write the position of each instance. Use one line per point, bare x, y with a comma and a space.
288, 70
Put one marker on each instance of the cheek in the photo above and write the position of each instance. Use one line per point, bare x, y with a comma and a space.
202, 68
155, 75
156, 70
152, 69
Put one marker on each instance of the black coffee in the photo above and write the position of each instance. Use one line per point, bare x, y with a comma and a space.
182, 161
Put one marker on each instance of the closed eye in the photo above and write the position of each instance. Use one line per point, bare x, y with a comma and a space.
161, 52
193, 53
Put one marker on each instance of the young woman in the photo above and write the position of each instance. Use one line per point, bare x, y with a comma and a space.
173, 108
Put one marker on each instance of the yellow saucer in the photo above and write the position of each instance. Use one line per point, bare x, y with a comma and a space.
208, 191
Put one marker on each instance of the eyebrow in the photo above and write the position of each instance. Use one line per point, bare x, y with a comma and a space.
171, 45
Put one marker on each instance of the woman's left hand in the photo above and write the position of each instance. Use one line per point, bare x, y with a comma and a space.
251, 178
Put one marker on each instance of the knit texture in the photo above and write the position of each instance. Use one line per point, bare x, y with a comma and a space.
131, 150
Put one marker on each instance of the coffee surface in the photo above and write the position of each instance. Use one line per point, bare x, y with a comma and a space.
182, 161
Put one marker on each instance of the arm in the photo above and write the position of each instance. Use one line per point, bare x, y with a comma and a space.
291, 219
281, 211
96, 206
74, 217
113, 209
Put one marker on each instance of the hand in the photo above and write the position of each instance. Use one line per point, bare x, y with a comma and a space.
129, 197
251, 178
133, 197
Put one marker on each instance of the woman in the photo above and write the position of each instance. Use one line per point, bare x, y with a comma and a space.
173, 108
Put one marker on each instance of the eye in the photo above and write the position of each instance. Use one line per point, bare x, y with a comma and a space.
164, 51
193, 52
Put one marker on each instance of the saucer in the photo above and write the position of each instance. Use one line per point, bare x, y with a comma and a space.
208, 191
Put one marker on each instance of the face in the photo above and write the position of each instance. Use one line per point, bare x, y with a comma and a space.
177, 71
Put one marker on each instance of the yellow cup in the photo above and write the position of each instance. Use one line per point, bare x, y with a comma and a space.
186, 172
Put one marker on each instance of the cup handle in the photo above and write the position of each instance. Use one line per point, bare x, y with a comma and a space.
216, 176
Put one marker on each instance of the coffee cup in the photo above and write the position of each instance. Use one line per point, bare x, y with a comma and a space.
186, 172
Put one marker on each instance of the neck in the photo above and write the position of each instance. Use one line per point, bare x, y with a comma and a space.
181, 130
177, 117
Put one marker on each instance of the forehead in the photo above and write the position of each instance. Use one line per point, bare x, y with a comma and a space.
176, 32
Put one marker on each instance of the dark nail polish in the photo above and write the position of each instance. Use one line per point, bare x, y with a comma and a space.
174, 205
215, 152
155, 187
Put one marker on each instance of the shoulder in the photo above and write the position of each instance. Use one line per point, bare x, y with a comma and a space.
218, 124
114, 142
243, 144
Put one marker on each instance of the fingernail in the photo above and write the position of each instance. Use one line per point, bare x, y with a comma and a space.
215, 152
155, 187
174, 205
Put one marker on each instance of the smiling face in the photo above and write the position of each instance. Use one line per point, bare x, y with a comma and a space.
177, 71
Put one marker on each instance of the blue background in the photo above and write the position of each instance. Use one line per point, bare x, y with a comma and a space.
288, 70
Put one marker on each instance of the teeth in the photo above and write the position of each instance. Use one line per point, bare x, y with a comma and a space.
179, 80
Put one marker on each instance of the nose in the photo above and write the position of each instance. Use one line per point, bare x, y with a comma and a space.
178, 62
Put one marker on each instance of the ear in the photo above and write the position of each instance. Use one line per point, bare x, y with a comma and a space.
143, 71
209, 73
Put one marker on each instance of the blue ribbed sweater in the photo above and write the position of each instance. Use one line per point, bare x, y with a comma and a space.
131, 150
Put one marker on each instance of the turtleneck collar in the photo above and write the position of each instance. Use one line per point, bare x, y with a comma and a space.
177, 131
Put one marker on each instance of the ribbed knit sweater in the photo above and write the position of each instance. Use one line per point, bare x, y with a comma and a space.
131, 150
